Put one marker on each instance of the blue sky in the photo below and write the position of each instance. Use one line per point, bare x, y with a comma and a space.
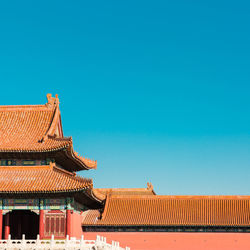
153, 90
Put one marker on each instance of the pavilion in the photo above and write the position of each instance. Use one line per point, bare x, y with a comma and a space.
40, 192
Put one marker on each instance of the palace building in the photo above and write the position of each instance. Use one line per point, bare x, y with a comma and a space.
41, 193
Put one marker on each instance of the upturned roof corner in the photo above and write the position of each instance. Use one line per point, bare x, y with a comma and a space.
38, 129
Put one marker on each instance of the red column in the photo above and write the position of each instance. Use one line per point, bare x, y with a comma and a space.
1, 223
41, 223
68, 222
7, 226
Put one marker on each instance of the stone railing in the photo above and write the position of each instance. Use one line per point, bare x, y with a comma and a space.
51, 244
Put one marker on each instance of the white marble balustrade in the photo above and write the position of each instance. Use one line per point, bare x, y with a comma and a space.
67, 244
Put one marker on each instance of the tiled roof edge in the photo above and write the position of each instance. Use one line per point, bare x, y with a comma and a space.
184, 197
98, 195
53, 124
23, 107
103, 215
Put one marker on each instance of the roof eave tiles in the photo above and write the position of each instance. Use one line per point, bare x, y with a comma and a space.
175, 211
37, 128
40, 179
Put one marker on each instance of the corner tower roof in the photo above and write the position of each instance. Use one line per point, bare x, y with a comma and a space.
36, 129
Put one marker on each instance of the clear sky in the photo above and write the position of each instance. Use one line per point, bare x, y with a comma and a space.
155, 91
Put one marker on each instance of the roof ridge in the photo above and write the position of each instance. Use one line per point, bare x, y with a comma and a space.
53, 124
52, 101
122, 189
36, 167
105, 211
24, 105
58, 169
179, 197
70, 174
68, 138
127, 191
24, 108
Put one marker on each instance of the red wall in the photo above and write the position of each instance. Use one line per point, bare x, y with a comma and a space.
76, 227
177, 241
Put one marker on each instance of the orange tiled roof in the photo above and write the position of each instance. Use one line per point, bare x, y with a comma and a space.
88, 162
91, 216
175, 211
36, 128
103, 192
40, 179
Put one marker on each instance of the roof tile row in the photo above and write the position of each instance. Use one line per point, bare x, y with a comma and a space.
40, 179
175, 210
34, 128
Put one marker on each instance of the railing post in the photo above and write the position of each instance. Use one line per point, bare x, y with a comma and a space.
23, 241
82, 243
116, 245
38, 241
52, 241
67, 241
9, 241
100, 240
97, 241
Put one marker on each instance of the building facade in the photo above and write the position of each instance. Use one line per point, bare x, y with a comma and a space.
41, 193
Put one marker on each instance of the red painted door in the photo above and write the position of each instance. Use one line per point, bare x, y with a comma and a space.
55, 224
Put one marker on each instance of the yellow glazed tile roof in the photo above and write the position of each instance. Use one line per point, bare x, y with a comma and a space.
156, 210
40, 179
36, 128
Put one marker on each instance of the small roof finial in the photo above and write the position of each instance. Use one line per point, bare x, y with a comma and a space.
57, 99
49, 96
150, 186
52, 100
